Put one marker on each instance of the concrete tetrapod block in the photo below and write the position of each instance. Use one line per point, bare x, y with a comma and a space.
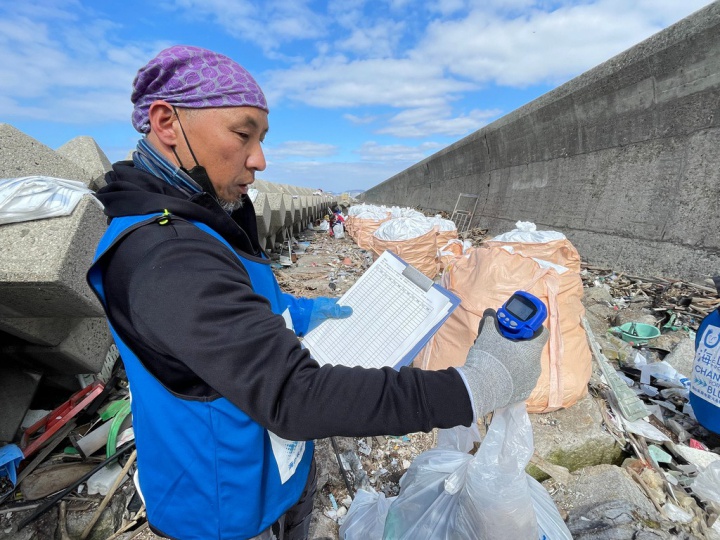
262, 217
261, 185
304, 210
573, 438
296, 213
43, 265
85, 152
17, 389
21, 155
82, 351
46, 331
288, 200
277, 216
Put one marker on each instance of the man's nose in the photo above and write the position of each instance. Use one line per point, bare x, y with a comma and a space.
256, 160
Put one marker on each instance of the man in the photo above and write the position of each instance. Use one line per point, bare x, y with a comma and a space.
225, 401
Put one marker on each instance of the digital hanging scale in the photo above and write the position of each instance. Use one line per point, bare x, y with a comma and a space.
521, 316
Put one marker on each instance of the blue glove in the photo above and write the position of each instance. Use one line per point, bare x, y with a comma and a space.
308, 313
327, 308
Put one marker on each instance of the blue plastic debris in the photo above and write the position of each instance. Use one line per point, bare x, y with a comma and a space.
10, 458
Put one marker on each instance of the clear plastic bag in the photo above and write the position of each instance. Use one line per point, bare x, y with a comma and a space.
550, 524
366, 518
38, 197
449, 494
707, 483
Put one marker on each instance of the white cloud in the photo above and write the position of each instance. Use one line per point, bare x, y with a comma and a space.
339, 82
379, 40
425, 122
542, 46
360, 120
515, 43
268, 23
305, 149
63, 72
372, 151
336, 177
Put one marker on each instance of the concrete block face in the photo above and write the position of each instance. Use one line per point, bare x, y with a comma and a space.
288, 203
84, 152
40, 331
304, 209
21, 155
262, 214
261, 185
17, 389
277, 212
43, 265
82, 351
623, 155
296, 210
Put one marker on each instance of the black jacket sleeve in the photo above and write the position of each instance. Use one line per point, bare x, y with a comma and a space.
184, 303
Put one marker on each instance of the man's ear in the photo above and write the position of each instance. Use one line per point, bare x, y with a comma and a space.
162, 120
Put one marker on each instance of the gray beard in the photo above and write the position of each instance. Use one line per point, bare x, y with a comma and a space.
230, 206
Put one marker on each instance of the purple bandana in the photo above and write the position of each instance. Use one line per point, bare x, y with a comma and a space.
194, 78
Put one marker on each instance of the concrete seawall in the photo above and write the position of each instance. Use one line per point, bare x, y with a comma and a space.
624, 159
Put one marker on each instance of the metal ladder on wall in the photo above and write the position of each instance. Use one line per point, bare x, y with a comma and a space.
464, 211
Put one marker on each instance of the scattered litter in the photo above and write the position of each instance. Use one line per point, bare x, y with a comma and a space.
102, 480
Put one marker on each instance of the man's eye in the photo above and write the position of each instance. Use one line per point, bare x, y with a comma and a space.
242, 135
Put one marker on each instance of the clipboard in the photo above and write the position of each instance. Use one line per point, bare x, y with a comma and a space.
396, 310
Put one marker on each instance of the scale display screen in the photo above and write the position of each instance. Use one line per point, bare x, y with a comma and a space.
520, 308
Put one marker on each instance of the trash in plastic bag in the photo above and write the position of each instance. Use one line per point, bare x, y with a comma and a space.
443, 224
38, 197
526, 232
404, 228
449, 494
366, 518
397, 212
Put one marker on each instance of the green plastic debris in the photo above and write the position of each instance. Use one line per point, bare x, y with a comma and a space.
637, 333
658, 454
117, 421
111, 409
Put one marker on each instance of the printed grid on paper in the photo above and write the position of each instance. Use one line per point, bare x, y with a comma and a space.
397, 308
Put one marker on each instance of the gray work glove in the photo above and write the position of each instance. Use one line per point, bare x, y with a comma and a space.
499, 371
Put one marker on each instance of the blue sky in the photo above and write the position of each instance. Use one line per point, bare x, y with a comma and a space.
358, 90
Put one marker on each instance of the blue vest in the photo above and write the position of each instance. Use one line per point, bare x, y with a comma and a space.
206, 469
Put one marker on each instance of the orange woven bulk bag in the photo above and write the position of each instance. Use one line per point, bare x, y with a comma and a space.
349, 226
420, 252
485, 278
448, 252
446, 230
364, 229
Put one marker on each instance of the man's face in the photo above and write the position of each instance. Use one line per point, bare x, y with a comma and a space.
227, 142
